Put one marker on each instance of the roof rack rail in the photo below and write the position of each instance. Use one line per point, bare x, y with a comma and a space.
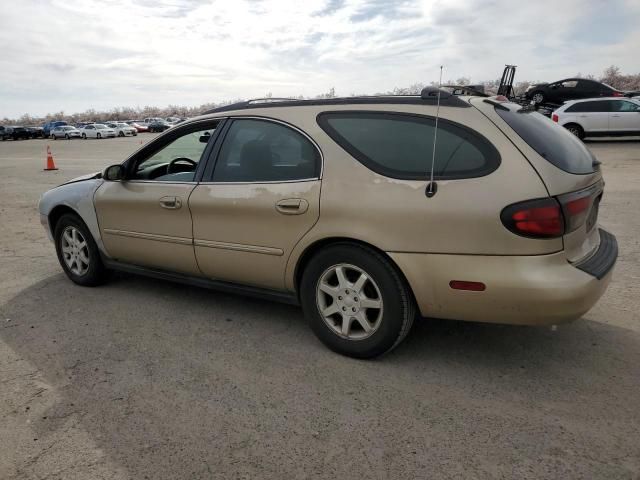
254, 101
429, 96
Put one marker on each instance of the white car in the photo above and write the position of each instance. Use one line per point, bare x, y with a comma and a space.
122, 129
590, 117
64, 131
97, 130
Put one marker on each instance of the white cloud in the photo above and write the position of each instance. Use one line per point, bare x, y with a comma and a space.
72, 54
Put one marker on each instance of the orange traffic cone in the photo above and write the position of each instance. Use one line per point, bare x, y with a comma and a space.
50, 163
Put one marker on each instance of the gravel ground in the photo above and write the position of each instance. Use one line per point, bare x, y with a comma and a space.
146, 379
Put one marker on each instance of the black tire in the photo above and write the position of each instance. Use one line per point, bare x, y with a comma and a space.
121, 134
575, 129
96, 273
537, 96
98, 135
399, 307
53, 137
84, 136
66, 135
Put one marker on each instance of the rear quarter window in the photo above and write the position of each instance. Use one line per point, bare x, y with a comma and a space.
400, 145
551, 141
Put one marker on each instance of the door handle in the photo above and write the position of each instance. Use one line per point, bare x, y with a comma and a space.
615, 115
292, 206
172, 203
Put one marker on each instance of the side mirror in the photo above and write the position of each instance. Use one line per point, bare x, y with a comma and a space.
114, 173
205, 137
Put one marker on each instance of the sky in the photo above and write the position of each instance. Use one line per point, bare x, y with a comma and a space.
73, 55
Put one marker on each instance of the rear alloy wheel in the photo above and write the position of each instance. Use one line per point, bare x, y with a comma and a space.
77, 252
575, 129
355, 301
98, 136
537, 97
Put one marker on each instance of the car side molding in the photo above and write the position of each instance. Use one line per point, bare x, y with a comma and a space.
289, 298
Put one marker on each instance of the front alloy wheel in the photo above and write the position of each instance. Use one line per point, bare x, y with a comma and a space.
75, 250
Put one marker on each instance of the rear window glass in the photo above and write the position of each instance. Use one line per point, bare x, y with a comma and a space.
550, 140
401, 146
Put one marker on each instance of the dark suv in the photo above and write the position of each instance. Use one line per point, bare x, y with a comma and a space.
14, 133
570, 89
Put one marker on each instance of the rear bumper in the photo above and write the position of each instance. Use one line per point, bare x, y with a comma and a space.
520, 290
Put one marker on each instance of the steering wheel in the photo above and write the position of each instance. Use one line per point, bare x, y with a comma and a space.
180, 159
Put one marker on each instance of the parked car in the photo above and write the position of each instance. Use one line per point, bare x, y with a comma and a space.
46, 128
158, 126
97, 130
149, 120
329, 203
174, 120
600, 117
65, 131
35, 132
570, 89
15, 133
3, 130
138, 125
122, 129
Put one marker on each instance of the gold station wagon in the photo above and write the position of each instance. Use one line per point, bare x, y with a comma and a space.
351, 208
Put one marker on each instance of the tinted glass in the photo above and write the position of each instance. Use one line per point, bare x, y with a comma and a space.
595, 106
177, 161
401, 146
624, 106
550, 140
263, 151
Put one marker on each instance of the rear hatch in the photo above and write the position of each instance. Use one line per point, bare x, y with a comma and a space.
570, 172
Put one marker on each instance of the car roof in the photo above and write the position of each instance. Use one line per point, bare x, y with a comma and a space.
428, 97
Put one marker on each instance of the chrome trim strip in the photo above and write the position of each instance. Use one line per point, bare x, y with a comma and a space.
149, 236
239, 247
262, 183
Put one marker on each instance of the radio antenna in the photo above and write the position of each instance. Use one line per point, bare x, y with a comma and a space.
432, 188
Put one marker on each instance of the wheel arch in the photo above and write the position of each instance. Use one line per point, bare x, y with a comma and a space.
57, 212
313, 248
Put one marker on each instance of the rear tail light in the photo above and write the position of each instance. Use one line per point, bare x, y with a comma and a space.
540, 218
576, 208
554, 117
618, 94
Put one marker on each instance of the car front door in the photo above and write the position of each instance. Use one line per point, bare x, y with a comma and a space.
144, 219
260, 199
624, 116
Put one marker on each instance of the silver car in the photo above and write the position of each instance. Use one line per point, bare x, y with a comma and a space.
122, 129
64, 131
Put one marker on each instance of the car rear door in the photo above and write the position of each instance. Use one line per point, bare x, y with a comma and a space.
595, 116
624, 116
256, 203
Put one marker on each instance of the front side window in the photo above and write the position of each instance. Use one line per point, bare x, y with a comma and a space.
265, 151
176, 161
401, 145
624, 106
569, 84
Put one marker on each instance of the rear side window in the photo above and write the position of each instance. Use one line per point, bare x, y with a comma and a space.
595, 106
401, 145
550, 140
264, 151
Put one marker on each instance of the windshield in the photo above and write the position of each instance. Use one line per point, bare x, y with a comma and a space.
552, 142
